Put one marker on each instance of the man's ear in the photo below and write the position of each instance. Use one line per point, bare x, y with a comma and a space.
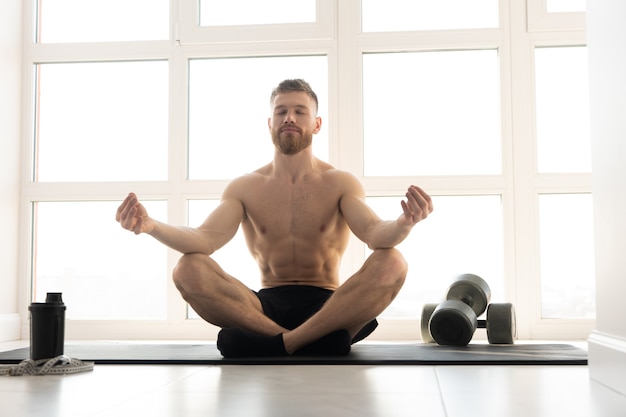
269, 123
318, 124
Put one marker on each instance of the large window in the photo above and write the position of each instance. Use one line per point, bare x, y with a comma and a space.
102, 121
408, 15
482, 103
252, 12
103, 275
67, 21
562, 97
567, 270
432, 113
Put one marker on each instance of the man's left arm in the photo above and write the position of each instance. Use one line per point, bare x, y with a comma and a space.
377, 233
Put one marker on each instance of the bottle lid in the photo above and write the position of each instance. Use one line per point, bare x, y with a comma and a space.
54, 298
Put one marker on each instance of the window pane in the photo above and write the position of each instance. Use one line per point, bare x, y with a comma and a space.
103, 271
462, 235
567, 256
432, 113
102, 20
562, 105
228, 111
558, 6
105, 121
401, 15
234, 257
254, 12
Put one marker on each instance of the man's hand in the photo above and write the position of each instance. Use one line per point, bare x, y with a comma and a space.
132, 215
417, 206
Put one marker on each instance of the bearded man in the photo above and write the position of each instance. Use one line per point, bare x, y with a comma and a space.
297, 213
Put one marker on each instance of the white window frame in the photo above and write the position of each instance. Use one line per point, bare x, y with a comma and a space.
337, 34
539, 20
192, 33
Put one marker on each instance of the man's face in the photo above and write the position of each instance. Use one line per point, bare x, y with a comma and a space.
293, 122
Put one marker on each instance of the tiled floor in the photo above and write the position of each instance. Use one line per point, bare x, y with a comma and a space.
320, 391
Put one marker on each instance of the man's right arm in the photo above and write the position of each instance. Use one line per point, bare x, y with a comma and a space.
215, 232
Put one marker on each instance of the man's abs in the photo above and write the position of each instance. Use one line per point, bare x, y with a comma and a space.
292, 260
298, 262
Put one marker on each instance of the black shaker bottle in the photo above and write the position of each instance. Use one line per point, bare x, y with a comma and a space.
47, 327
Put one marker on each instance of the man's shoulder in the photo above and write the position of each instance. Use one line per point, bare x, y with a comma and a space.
341, 177
259, 174
331, 171
244, 184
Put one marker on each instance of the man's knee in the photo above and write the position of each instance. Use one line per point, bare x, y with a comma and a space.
187, 272
390, 265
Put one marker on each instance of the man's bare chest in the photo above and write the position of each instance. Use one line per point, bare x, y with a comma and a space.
303, 211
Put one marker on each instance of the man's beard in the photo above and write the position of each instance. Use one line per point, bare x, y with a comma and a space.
291, 143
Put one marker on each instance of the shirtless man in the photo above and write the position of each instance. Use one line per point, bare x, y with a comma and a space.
296, 213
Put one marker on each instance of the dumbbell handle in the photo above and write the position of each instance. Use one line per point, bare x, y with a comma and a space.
482, 324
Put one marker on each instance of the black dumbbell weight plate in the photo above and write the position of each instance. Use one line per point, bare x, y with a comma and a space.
427, 312
472, 290
501, 328
453, 323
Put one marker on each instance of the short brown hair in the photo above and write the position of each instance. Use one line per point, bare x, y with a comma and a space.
294, 85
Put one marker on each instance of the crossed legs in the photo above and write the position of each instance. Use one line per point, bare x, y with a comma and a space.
224, 301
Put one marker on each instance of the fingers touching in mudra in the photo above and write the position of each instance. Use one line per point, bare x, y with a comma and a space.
417, 206
132, 215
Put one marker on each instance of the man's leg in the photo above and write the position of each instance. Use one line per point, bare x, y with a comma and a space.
219, 298
355, 303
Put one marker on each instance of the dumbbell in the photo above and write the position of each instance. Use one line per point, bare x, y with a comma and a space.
454, 321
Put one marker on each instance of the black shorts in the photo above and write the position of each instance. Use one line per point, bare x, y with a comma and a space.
291, 305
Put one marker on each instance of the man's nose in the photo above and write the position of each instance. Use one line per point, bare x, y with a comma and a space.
290, 117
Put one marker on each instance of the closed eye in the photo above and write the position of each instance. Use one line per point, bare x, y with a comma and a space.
300, 110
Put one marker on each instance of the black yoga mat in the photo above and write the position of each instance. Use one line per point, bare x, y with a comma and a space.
361, 354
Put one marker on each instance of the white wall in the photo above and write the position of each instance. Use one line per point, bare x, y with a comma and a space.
10, 106
607, 66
